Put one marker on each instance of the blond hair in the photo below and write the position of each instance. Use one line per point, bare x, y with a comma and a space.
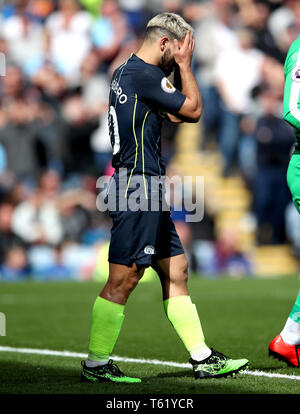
167, 24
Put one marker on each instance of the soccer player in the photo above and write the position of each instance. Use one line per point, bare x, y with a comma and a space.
286, 345
140, 95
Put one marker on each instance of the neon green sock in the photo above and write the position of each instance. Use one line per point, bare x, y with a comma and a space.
295, 312
291, 330
183, 315
107, 319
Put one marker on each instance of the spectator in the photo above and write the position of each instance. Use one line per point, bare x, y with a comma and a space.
110, 32
37, 220
75, 208
235, 83
284, 20
275, 139
222, 257
24, 150
39, 10
214, 31
95, 87
52, 86
15, 265
51, 130
80, 124
228, 258
68, 38
12, 85
13, 257
8, 239
255, 16
24, 38
135, 13
94, 84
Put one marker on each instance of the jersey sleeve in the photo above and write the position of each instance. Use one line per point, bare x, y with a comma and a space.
291, 97
152, 86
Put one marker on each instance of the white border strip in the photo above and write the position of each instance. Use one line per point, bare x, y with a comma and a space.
294, 95
70, 354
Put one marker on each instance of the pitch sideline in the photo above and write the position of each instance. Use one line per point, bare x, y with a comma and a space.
70, 354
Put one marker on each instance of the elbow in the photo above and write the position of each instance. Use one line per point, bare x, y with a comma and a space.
196, 115
191, 114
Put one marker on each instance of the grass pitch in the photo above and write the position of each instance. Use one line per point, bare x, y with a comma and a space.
239, 318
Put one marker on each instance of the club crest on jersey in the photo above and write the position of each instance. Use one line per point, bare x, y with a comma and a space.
296, 74
149, 249
167, 86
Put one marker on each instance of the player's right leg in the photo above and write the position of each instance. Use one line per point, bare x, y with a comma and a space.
286, 345
107, 320
133, 236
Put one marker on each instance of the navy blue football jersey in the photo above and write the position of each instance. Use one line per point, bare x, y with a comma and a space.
139, 95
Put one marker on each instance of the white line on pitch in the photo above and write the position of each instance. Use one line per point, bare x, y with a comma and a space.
70, 354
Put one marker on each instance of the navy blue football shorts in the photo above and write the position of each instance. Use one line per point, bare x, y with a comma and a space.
142, 237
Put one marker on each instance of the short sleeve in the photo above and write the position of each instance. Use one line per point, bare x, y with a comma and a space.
291, 97
154, 87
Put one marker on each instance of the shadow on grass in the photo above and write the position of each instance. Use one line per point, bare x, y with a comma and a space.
25, 378
14, 375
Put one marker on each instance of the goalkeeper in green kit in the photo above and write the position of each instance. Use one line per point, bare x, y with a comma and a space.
286, 345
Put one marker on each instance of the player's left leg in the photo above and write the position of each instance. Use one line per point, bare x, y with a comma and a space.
286, 345
183, 315
291, 331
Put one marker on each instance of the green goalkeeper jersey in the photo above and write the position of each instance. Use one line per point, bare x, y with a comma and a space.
291, 99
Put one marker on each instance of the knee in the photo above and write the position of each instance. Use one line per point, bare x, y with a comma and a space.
180, 275
185, 270
133, 277
131, 282
124, 283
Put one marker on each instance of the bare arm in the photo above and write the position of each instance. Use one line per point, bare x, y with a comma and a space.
192, 106
176, 80
174, 119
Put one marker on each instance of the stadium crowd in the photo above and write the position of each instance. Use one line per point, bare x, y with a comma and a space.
54, 141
